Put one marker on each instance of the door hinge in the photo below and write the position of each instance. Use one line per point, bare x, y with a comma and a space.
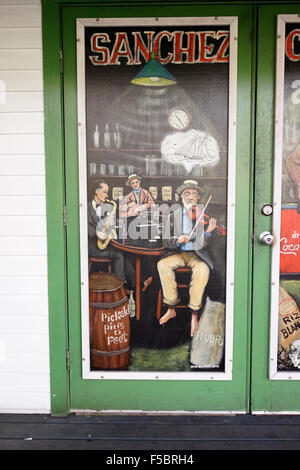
68, 359
61, 61
65, 215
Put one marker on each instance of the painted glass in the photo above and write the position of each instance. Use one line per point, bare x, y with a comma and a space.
154, 195
289, 289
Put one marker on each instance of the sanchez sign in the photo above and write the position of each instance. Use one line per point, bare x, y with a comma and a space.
175, 47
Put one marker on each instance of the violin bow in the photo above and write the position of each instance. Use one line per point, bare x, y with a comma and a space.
201, 215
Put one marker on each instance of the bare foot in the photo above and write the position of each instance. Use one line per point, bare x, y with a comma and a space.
194, 322
171, 313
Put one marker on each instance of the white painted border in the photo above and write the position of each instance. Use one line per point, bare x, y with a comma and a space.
274, 374
232, 111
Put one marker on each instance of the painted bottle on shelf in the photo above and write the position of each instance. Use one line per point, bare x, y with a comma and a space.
96, 137
106, 137
117, 137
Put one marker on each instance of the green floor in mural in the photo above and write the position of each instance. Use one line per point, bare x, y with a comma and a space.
173, 359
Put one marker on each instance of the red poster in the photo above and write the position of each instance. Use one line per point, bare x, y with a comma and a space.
290, 241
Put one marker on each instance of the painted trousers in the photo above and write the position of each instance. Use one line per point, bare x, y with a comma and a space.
200, 274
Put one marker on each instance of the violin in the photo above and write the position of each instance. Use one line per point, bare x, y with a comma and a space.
195, 212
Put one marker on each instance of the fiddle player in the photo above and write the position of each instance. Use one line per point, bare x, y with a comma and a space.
138, 200
183, 251
98, 211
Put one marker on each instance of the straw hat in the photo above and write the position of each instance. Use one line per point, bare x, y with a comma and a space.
189, 184
133, 177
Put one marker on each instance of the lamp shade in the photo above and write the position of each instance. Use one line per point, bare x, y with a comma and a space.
154, 74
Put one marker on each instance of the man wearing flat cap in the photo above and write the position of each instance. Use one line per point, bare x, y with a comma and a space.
185, 250
138, 200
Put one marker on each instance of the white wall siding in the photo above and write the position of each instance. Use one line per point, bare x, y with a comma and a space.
22, 205
28, 60
24, 334
20, 123
36, 304
25, 143
20, 15
21, 102
22, 226
30, 38
26, 185
29, 246
21, 285
22, 80
22, 164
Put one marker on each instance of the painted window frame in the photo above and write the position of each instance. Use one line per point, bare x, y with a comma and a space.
274, 374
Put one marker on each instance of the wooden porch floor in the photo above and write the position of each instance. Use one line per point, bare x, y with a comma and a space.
119, 432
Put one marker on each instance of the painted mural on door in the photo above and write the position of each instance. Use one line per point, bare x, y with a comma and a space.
289, 290
156, 182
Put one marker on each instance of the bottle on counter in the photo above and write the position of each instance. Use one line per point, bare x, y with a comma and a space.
131, 305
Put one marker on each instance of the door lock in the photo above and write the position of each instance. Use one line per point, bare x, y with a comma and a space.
266, 238
266, 209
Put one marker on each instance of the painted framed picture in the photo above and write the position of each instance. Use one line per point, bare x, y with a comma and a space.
157, 119
285, 313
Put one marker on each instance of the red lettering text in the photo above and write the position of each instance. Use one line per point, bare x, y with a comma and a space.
290, 45
121, 49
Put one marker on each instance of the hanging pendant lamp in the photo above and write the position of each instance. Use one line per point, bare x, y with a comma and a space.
154, 74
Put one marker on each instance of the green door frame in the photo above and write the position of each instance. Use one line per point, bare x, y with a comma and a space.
236, 398
55, 203
266, 395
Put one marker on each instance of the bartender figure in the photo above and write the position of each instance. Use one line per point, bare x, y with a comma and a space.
138, 200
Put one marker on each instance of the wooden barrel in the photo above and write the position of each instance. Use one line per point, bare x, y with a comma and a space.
109, 322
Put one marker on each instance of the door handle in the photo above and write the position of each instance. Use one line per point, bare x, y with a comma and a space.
266, 238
